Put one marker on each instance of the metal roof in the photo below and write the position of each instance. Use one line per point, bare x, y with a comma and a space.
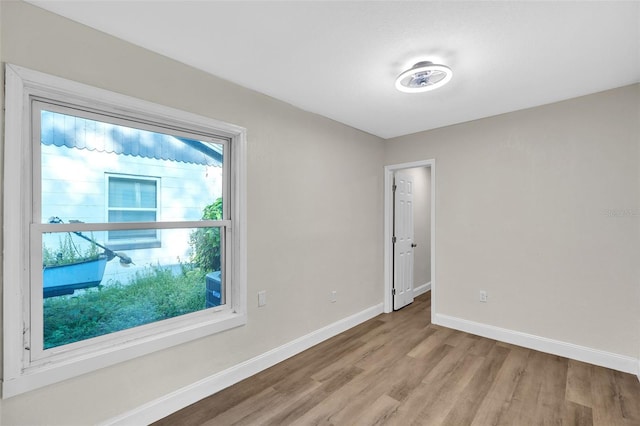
76, 132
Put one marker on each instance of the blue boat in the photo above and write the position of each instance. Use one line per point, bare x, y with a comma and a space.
58, 280
65, 279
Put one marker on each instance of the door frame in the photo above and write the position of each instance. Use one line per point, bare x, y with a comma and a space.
389, 172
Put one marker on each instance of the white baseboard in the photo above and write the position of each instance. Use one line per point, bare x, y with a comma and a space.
417, 291
543, 344
163, 406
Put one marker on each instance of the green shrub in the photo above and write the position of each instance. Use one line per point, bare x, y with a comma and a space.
152, 295
68, 252
205, 242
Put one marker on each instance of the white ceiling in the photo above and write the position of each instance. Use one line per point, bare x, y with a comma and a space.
340, 59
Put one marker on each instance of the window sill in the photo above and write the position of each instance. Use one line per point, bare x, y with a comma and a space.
105, 355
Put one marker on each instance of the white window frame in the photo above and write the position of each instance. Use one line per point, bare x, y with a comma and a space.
125, 244
21, 373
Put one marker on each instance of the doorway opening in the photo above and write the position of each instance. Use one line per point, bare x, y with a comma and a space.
423, 250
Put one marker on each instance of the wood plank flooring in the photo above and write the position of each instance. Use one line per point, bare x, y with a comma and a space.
398, 369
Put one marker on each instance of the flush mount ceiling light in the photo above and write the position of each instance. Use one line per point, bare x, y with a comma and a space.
422, 77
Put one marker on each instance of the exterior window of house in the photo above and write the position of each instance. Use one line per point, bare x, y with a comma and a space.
132, 199
126, 228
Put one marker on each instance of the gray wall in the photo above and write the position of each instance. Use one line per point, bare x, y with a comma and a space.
421, 224
526, 208
302, 168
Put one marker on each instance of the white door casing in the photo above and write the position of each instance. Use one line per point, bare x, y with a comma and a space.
389, 173
403, 241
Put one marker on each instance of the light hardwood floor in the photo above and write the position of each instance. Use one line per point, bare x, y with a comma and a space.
399, 369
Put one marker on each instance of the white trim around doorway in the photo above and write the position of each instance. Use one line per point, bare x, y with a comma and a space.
388, 228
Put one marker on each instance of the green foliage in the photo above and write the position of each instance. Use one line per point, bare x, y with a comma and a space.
68, 252
152, 295
205, 242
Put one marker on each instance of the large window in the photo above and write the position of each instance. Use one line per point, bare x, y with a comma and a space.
127, 228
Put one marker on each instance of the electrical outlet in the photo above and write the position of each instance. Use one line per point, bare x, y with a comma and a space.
333, 296
262, 298
483, 296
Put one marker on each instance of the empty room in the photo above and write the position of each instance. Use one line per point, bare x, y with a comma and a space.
320, 212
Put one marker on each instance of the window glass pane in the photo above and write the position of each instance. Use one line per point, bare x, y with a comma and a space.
132, 216
136, 193
146, 194
90, 290
134, 235
80, 156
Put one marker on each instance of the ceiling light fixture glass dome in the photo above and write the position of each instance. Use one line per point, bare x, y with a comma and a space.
422, 77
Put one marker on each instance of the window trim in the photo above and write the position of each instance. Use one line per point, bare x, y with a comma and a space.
124, 244
21, 85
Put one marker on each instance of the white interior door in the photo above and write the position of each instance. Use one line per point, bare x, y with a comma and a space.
403, 240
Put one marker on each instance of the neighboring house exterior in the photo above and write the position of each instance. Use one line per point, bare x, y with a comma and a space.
97, 172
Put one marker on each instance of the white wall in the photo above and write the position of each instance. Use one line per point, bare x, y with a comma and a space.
540, 208
302, 169
421, 224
